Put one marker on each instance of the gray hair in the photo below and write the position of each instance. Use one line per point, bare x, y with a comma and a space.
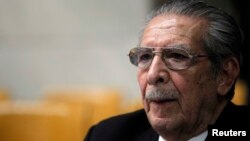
222, 38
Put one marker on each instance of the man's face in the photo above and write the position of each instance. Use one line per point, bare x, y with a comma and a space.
191, 92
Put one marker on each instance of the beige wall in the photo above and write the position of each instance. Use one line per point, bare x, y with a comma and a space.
68, 43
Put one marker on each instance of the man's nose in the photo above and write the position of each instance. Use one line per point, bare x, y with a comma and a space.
158, 72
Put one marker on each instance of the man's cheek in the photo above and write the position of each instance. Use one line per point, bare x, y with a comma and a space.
142, 80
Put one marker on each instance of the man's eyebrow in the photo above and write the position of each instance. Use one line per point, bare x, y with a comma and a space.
180, 46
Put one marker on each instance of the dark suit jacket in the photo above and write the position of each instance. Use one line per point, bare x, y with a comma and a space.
135, 126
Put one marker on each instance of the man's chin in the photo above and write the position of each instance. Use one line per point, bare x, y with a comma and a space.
159, 121
160, 124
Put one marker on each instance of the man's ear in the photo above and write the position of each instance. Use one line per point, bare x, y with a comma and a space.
228, 75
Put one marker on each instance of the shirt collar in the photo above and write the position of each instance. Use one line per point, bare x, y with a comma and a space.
200, 137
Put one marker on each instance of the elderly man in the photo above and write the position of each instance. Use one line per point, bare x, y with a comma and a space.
188, 61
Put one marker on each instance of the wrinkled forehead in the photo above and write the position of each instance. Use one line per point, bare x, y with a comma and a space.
166, 28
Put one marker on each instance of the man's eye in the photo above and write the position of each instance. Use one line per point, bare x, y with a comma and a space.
177, 56
145, 57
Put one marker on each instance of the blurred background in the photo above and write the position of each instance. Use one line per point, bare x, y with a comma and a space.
77, 47
61, 43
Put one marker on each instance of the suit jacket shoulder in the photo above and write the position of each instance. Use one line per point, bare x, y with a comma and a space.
128, 127
135, 126
234, 116
232, 123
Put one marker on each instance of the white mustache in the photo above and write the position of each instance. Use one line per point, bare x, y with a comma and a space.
160, 94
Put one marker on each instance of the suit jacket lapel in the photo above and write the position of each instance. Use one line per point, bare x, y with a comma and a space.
148, 135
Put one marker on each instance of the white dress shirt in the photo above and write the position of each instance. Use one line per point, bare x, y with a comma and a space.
200, 137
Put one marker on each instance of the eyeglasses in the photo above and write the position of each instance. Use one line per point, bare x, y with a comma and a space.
175, 58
